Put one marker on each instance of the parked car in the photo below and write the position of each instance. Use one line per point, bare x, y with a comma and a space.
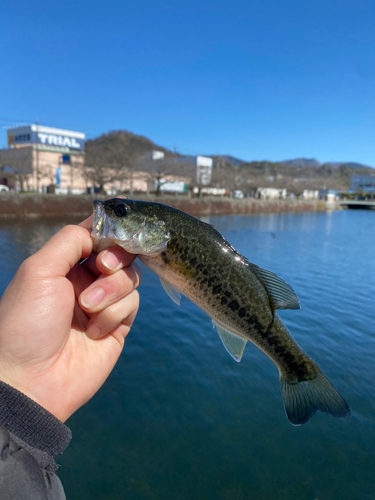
4, 189
238, 194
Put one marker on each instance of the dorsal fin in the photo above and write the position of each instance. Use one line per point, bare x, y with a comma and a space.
281, 294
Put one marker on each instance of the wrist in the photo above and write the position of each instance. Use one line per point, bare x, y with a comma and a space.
31, 423
36, 396
18, 387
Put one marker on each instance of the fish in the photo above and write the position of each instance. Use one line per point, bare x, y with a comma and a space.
193, 259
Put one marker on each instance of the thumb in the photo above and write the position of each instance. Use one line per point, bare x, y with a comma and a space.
61, 252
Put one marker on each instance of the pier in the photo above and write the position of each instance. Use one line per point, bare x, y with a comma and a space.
358, 204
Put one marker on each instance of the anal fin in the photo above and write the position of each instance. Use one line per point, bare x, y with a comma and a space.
171, 291
233, 344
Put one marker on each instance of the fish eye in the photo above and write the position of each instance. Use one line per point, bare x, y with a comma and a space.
120, 210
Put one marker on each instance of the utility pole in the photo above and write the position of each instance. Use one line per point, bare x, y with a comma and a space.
37, 156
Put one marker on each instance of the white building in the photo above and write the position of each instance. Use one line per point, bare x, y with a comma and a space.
270, 193
38, 157
310, 194
204, 170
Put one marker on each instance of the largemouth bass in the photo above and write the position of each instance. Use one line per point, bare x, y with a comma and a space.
192, 258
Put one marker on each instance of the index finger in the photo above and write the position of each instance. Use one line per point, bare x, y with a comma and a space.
112, 259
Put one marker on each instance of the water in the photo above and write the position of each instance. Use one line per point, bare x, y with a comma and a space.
179, 419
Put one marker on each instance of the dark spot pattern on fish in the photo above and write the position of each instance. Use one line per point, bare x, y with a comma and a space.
279, 349
234, 305
208, 270
298, 366
213, 281
253, 323
242, 312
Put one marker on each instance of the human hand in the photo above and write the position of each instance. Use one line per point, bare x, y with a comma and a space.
63, 324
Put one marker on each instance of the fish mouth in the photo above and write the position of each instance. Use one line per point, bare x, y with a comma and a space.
98, 221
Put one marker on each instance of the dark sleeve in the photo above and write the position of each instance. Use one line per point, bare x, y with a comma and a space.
30, 440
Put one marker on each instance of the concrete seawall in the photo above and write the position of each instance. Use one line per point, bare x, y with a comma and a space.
31, 205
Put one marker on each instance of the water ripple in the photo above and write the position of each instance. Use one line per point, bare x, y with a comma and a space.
179, 419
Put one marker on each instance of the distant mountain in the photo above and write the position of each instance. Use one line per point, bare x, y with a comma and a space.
312, 162
227, 159
123, 148
302, 162
349, 164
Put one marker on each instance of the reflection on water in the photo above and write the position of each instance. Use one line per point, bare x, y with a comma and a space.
179, 419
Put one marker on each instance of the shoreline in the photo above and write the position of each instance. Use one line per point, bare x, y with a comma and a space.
50, 205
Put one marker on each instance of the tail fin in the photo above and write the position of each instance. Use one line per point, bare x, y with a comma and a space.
303, 399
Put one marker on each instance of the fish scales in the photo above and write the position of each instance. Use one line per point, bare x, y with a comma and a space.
192, 258
219, 284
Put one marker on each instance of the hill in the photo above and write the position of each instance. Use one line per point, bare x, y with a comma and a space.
312, 162
302, 162
226, 160
349, 164
121, 147
122, 150
291, 176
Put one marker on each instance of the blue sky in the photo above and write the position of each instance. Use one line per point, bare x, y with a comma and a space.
255, 79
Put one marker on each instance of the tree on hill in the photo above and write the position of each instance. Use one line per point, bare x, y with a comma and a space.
158, 170
110, 157
166, 168
295, 178
18, 162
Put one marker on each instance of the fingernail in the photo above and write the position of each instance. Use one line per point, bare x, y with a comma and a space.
92, 298
93, 331
110, 261
138, 272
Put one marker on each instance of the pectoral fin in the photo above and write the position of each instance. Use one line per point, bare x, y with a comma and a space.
281, 294
233, 344
172, 292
